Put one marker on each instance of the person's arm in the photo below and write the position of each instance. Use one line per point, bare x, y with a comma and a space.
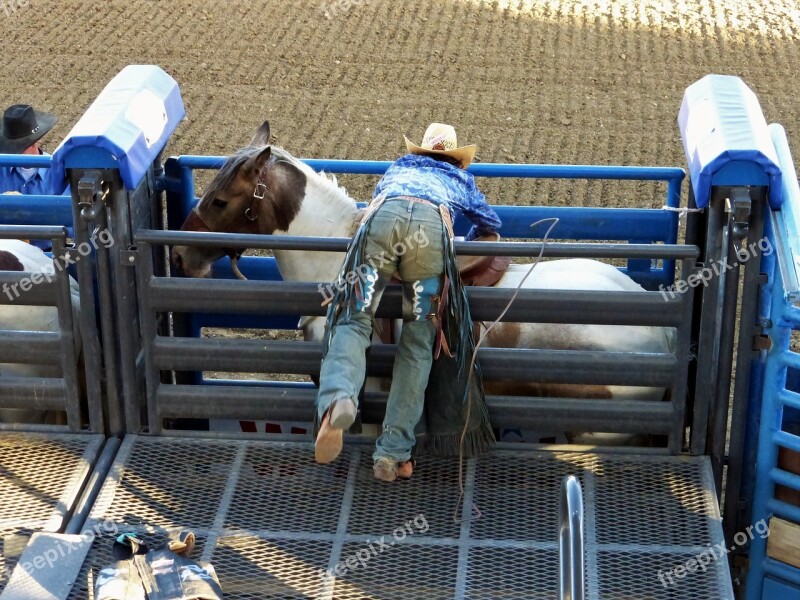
9, 182
483, 216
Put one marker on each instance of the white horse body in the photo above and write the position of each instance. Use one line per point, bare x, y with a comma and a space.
580, 274
20, 317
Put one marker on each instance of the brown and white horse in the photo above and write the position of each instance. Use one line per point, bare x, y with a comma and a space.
298, 201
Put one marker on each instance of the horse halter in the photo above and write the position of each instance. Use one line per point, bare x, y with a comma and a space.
258, 194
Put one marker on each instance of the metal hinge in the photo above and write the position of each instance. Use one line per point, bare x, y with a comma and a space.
761, 342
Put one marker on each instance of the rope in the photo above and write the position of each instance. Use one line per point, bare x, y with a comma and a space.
472, 366
682, 212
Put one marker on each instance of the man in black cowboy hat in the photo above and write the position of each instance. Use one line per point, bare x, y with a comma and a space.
23, 127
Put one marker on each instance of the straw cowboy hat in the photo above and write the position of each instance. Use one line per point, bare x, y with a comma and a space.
22, 127
441, 139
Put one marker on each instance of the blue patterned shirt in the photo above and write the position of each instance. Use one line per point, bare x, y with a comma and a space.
440, 182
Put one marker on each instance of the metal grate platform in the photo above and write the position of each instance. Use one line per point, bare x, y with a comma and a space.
41, 477
273, 522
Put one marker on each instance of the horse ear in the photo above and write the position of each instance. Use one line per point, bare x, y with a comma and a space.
261, 137
257, 162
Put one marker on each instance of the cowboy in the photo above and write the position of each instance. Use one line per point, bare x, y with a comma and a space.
23, 127
403, 234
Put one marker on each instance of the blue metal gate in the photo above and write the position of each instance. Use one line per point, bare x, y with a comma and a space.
775, 421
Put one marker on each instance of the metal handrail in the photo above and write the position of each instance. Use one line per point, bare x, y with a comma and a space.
570, 540
786, 221
523, 170
672, 176
26, 161
523, 249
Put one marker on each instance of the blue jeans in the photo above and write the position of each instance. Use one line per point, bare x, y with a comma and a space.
404, 237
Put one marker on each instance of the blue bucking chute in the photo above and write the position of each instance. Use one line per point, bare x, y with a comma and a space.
726, 139
126, 127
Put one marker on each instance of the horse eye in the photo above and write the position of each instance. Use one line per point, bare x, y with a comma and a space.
219, 203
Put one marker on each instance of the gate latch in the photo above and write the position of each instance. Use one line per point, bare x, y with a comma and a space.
739, 205
89, 187
761, 342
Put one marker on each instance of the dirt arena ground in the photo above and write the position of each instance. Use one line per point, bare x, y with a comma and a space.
539, 81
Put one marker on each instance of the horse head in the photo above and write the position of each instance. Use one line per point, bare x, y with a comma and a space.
258, 190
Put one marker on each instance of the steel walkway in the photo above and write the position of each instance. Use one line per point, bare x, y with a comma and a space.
277, 525
41, 479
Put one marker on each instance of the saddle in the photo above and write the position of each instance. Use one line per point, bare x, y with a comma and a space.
483, 271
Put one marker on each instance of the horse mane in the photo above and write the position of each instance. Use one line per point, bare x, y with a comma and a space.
224, 177
327, 181
329, 184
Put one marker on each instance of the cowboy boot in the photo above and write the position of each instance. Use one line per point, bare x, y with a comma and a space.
387, 469
339, 416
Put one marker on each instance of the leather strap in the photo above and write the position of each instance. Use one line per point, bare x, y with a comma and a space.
373, 206
443, 210
441, 340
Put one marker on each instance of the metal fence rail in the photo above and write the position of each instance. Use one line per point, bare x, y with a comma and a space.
165, 354
61, 392
551, 366
486, 304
